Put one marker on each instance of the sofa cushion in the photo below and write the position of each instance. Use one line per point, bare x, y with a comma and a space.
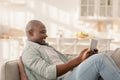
10, 71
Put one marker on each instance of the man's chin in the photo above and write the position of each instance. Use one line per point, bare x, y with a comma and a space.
43, 43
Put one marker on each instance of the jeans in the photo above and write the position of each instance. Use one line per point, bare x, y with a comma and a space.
93, 67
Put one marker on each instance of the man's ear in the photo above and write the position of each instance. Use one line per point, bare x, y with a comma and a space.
30, 32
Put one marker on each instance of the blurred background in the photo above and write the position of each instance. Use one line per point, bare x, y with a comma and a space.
70, 24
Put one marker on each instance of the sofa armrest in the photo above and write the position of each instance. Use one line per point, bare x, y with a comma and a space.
9, 71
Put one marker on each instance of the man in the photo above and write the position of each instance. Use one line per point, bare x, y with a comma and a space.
43, 62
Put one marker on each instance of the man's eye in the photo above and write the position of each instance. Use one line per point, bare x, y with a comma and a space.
43, 32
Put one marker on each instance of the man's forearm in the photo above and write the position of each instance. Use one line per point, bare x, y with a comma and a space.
63, 68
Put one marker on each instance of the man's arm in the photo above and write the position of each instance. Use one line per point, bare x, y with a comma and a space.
63, 68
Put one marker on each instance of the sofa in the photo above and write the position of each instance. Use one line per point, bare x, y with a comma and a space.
10, 70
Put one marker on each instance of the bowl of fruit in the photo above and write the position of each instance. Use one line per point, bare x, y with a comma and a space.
82, 35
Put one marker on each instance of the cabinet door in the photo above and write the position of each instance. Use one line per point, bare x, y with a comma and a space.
87, 7
93, 8
105, 8
83, 10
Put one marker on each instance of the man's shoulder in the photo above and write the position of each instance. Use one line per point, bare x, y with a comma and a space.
32, 47
31, 44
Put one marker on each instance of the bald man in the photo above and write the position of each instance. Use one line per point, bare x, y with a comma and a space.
43, 62
36, 32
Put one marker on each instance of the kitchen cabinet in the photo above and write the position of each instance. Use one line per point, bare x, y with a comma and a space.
99, 9
87, 7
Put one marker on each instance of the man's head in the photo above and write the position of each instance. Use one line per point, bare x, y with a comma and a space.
36, 32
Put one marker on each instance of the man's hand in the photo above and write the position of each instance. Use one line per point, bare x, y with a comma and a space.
87, 53
63, 68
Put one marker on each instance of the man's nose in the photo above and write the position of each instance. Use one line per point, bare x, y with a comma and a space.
46, 35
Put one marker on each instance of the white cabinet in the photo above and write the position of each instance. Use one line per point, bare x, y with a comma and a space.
99, 9
105, 8
87, 7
